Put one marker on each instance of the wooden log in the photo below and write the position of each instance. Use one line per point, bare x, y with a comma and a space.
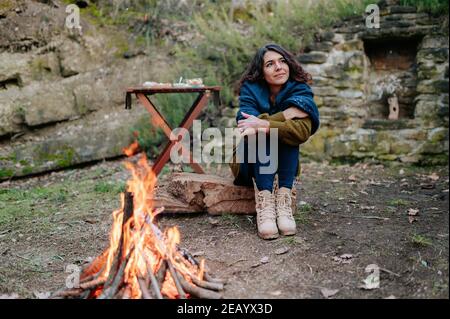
198, 291
193, 193
207, 285
176, 280
172, 204
143, 286
127, 213
92, 284
110, 291
212, 279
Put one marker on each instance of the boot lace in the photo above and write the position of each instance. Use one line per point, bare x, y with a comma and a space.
266, 204
284, 202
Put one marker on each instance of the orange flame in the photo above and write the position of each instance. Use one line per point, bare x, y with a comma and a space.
140, 240
131, 149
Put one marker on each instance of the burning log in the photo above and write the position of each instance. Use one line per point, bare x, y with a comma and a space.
141, 260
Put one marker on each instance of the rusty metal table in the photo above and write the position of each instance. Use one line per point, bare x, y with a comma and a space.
142, 94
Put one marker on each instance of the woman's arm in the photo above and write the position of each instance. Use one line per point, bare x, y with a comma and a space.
294, 112
290, 131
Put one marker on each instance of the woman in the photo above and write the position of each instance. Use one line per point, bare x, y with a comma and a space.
274, 93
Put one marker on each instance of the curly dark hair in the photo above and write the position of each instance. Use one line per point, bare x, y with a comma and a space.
254, 71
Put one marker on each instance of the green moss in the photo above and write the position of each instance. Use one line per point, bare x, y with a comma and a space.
6, 173
432, 160
23, 162
10, 157
63, 157
27, 170
6, 5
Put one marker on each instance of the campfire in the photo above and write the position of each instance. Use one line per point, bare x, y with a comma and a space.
142, 261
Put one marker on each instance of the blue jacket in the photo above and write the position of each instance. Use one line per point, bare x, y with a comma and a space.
254, 99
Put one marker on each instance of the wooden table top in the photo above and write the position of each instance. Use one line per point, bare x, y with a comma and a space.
171, 89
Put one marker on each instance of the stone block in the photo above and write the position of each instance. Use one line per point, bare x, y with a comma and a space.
353, 45
437, 55
46, 105
315, 57
434, 42
325, 91
350, 94
438, 134
325, 46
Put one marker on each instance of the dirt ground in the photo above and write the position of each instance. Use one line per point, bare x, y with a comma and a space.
394, 218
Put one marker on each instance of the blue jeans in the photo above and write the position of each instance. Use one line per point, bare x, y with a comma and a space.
287, 157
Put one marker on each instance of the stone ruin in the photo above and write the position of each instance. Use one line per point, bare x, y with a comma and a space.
382, 92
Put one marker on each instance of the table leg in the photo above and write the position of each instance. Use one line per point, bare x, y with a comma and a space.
159, 121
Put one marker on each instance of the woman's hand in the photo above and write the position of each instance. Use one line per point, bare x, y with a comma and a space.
294, 112
251, 124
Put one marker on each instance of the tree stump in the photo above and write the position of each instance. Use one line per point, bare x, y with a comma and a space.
193, 193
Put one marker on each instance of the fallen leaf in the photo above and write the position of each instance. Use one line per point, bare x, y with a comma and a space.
327, 293
213, 221
276, 293
412, 219
42, 295
413, 212
434, 177
282, 250
371, 282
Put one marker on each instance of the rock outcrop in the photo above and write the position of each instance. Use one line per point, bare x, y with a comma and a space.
62, 92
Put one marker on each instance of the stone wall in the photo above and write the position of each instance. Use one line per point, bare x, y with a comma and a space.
352, 66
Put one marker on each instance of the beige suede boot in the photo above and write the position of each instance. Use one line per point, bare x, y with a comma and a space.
265, 214
285, 219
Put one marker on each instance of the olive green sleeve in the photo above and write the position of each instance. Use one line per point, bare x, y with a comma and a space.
292, 132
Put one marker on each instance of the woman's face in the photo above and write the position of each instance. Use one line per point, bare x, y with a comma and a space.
275, 69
